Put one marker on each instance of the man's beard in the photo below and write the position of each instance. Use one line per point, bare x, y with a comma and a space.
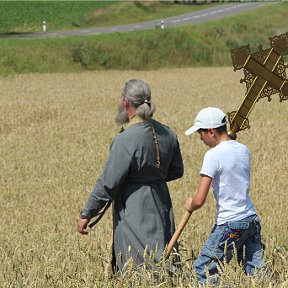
122, 116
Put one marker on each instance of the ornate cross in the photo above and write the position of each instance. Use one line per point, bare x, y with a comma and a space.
264, 75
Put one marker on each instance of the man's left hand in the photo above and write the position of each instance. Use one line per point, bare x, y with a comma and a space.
82, 225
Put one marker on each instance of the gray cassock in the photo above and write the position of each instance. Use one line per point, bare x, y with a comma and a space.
143, 215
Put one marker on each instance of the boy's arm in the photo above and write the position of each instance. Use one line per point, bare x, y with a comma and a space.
198, 200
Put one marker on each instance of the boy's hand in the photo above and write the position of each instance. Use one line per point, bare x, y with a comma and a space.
188, 204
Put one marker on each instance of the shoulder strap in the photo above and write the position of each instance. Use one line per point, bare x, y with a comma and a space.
100, 215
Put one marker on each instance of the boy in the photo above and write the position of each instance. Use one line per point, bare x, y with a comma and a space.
226, 167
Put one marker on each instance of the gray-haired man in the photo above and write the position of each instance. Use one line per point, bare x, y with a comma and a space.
142, 158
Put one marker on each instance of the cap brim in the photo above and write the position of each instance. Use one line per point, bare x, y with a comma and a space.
191, 130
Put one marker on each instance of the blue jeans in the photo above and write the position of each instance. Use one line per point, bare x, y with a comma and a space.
219, 246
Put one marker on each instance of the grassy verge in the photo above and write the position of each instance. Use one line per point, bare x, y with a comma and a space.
190, 46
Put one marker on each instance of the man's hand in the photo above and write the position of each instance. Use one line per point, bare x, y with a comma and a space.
188, 204
82, 225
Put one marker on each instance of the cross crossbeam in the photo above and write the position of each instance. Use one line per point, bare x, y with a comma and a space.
265, 74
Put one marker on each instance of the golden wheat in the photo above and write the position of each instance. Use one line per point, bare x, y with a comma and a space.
55, 132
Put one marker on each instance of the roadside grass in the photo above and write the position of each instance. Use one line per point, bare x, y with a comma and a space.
55, 132
27, 16
140, 11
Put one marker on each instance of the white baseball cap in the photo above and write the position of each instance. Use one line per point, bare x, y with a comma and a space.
210, 117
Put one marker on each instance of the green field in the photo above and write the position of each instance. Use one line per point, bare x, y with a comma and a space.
27, 16
206, 44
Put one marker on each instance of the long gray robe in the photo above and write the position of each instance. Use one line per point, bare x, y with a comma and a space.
143, 215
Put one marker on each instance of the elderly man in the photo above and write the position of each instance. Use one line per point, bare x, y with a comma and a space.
142, 158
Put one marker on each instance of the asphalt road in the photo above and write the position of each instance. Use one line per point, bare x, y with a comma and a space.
180, 20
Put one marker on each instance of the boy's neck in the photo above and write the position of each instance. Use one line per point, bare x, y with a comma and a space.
223, 137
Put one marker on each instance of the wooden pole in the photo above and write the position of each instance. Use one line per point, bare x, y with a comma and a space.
177, 233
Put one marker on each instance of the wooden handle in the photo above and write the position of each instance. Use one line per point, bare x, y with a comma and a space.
177, 233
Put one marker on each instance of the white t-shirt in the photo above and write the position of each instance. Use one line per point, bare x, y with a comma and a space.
228, 164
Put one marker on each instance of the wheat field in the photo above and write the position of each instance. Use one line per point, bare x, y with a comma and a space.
55, 133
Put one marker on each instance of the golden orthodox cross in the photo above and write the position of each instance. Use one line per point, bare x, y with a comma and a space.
264, 75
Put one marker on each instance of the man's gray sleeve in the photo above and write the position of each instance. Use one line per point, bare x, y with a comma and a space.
114, 174
176, 167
